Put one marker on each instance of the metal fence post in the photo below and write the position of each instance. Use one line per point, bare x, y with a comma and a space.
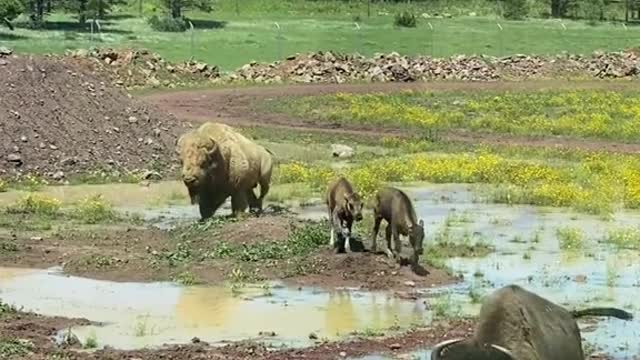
191, 35
500, 41
279, 41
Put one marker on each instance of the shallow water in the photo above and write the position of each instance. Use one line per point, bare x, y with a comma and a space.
165, 313
138, 315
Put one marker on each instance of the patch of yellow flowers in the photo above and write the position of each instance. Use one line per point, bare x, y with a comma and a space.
36, 203
581, 113
592, 185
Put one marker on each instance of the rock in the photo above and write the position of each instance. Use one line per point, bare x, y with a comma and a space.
5, 51
195, 340
53, 147
58, 175
151, 175
343, 354
341, 151
410, 283
133, 119
395, 346
23, 138
16, 159
36, 238
313, 336
201, 67
68, 161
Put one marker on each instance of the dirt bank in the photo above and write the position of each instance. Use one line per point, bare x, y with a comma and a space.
256, 249
58, 120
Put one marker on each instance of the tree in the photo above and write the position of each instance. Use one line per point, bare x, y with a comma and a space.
9, 10
176, 7
515, 9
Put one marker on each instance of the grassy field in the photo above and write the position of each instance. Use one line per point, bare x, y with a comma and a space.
231, 39
580, 113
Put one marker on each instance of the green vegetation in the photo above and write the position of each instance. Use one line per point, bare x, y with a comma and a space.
577, 113
570, 238
94, 209
14, 347
245, 30
91, 342
624, 237
186, 278
302, 240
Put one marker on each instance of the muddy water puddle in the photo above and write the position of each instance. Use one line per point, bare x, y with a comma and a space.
528, 253
135, 315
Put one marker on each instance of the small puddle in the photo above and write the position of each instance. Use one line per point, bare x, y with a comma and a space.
144, 315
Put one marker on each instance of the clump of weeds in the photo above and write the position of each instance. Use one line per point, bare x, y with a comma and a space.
570, 238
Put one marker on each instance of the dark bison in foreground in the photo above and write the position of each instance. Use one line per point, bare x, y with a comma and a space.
516, 324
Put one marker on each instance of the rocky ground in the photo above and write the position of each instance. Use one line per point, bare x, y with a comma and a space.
140, 68
58, 120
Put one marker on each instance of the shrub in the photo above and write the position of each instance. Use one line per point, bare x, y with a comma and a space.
36, 204
168, 24
515, 9
93, 210
405, 19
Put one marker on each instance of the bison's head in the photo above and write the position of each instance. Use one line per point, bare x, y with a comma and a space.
459, 349
198, 157
416, 237
354, 205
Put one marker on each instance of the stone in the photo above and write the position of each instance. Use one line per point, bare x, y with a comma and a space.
151, 175
341, 151
23, 138
410, 283
313, 336
58, 175
395, 346
16, 159
5, 51
343, 354
133, 119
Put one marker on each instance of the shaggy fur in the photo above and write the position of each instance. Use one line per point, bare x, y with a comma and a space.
527, 326
344, 206
394, 206
218, 162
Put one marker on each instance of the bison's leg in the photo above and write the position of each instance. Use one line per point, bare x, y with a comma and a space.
387, 237
254, 204
264, 189
209, 204
397, 245
337, 222
376, 229
239, 203
347, 237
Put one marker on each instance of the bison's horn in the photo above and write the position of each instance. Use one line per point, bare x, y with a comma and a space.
435, 353
502, 349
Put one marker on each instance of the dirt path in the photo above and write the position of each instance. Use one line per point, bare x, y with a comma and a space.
239, 107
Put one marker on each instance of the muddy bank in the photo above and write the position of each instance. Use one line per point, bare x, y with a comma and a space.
253, 250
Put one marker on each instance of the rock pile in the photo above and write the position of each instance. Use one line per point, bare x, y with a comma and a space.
57, 119
328, 67
141, 68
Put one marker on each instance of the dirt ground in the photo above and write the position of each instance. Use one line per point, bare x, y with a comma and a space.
58, 120
36, 332
136, 253
241, 107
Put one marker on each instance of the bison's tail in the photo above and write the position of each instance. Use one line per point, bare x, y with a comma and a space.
613, 312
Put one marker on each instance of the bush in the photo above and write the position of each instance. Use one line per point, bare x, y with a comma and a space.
35, 203
93, 210
515, 9
168, 24
9, 9
405, 19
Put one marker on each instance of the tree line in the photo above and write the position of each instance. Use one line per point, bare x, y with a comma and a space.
36, 10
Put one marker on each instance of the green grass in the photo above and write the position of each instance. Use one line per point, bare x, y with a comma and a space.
570, 238
624, 237
326, 25
601, 114
14, 347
